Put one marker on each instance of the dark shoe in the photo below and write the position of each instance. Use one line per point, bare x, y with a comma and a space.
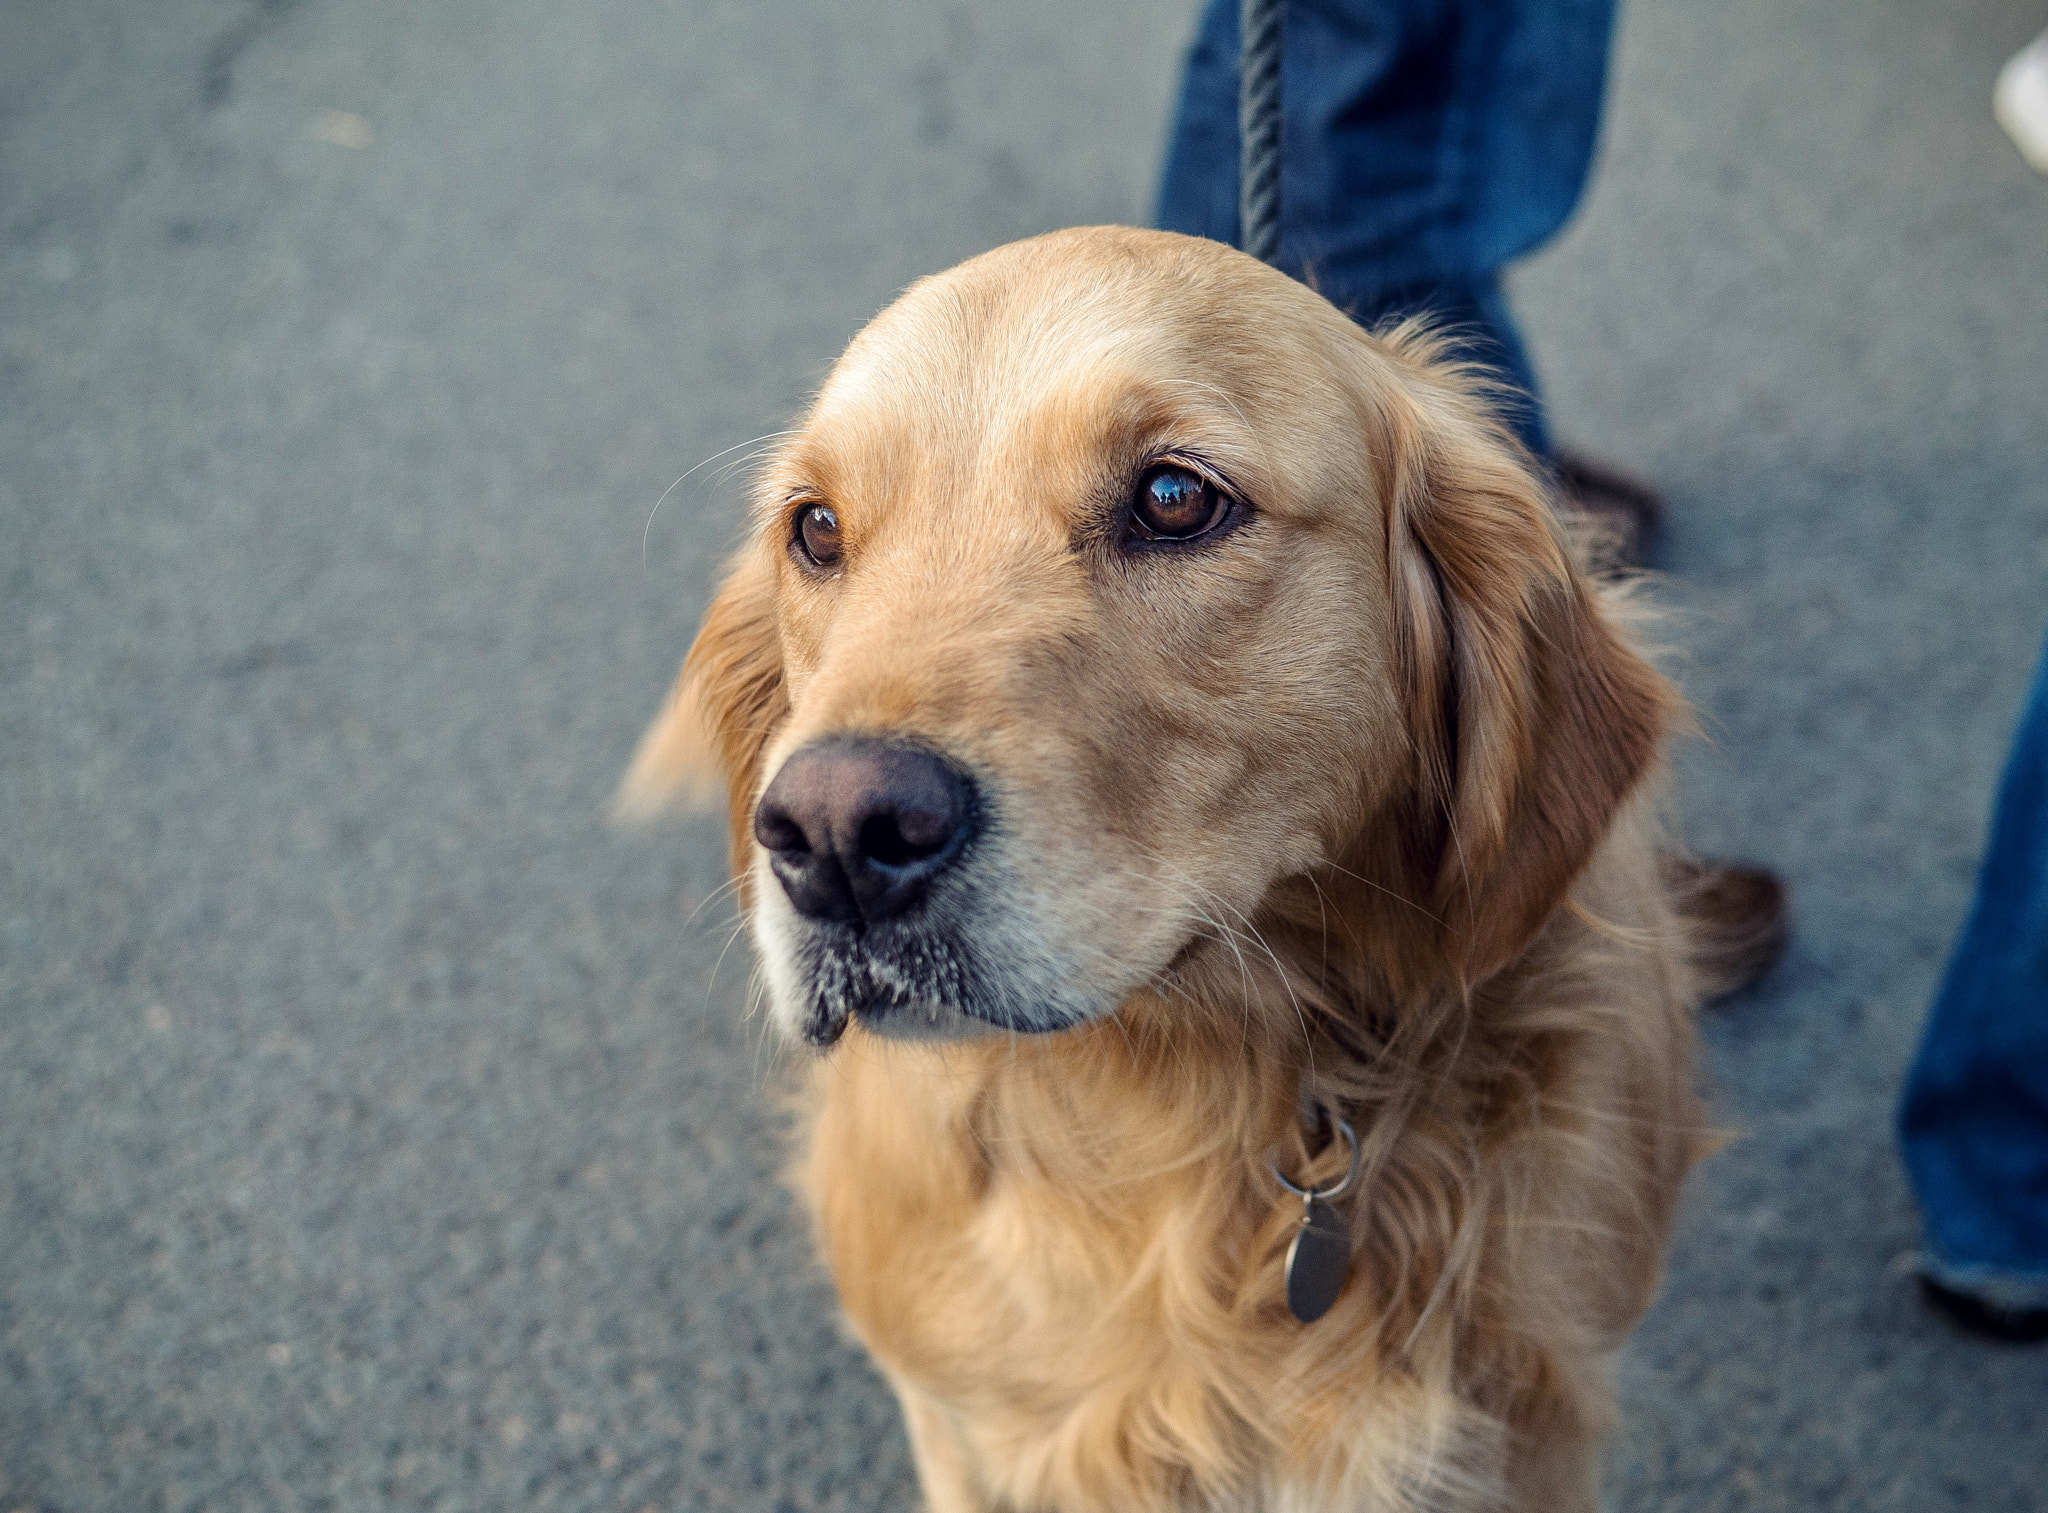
1626, 516
1739, 917
1987, 1321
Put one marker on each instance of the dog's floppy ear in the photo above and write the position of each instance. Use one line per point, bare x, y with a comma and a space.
1532, 718
725, 705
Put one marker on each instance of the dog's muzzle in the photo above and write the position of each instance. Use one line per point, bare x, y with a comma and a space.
868, 838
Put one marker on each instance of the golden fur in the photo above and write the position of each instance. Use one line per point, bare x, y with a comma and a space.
1353, 804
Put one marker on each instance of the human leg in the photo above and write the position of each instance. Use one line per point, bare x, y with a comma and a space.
1974, 1118
1426, 143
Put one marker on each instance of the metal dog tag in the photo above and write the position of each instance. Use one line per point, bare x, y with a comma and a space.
1318, 1262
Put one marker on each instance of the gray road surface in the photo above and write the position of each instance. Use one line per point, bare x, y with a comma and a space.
373, 1132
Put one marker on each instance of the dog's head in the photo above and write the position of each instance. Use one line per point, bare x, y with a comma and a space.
1113, 581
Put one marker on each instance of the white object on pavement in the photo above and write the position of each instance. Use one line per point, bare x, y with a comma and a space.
2020, 101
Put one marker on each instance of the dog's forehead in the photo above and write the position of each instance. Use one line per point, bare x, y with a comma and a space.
965, 360
1030, 374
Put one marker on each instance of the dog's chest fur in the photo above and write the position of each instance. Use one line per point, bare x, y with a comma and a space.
1078, 1330
1074, 1283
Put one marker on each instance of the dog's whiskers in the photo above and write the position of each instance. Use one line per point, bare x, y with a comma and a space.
712, 985
1383, 888
724, 890
1308, 1043
648, 532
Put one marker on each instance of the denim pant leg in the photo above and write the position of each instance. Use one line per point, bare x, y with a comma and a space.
1974, 1119
1425, 144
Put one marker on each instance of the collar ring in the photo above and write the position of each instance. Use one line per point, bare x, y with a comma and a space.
1343, 1184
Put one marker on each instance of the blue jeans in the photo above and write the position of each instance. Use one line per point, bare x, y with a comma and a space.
1974, 1119
1425, 144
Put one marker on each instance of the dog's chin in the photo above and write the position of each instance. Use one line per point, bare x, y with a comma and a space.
822, 1018
922, 1020
921, 988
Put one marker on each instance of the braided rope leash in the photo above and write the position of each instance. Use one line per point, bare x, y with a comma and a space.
1258, 125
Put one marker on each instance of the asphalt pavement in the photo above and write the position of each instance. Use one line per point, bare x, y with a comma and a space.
380, 1130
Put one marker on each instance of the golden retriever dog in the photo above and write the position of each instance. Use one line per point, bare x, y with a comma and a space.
1172, 747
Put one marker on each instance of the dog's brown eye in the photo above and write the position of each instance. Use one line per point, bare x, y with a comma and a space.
1174, 503
817, 531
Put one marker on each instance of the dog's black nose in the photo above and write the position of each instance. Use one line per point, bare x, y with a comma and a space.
856, 829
